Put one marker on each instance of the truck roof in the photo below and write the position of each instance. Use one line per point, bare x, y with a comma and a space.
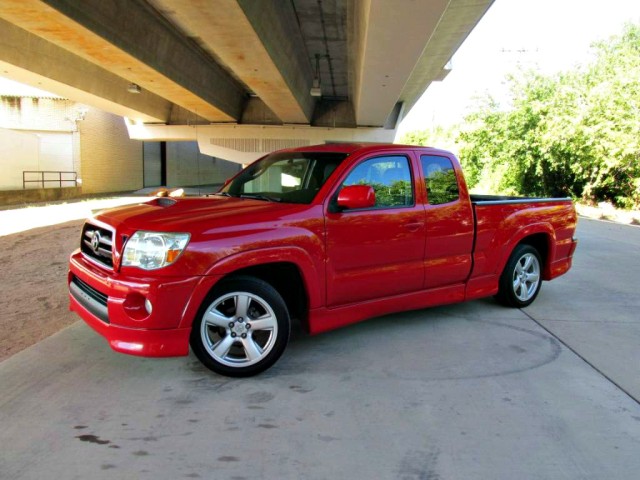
361, 147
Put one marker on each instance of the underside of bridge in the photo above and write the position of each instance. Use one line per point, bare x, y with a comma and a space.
239, 76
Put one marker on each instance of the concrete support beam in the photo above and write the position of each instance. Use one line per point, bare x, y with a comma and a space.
132, 40
259, 41
246, 143
276, 25
29, 59
334, 113
387, 41
455, 25
238, 61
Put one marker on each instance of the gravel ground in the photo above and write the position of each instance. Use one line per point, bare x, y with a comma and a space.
35, 243
34, 302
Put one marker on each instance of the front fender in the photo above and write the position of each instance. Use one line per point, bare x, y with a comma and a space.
312, 272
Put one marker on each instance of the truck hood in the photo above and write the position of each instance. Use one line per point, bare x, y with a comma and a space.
194, 215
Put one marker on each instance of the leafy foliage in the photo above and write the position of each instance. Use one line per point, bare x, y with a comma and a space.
438, 136
442, 187
399, 193
572, 134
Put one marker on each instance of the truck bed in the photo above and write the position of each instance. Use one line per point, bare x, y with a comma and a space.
504, 199
501, 221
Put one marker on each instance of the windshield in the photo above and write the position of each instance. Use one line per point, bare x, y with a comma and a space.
291, 177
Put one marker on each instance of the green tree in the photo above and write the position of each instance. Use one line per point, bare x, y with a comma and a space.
575, 133
437, 136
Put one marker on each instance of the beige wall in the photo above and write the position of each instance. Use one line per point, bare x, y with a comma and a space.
19, 152
59, 134
39, 114
110, 162
186, 166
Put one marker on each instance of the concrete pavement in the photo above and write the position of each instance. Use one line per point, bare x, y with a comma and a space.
470, 391
596, 308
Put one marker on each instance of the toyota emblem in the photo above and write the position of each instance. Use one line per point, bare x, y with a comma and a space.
95, 242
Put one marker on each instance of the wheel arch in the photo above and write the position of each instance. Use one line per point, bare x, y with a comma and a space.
287, 280
542, 238
543, 243
290, 270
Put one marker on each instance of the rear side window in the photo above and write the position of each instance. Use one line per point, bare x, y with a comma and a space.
390, 178
440, 179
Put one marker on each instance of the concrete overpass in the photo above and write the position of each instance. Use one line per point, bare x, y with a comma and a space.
241, 77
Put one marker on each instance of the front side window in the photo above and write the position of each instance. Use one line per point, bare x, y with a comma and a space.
390, 178
290, 177
440, 179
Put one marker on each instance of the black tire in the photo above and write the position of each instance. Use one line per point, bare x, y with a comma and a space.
521, 278
242, 327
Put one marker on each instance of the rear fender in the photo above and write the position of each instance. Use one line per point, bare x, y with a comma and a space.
520, 236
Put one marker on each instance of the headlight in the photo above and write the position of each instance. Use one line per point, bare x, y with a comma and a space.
151, 250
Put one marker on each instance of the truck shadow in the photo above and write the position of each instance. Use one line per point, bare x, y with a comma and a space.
466, 341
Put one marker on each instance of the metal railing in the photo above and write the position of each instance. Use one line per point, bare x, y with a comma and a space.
49, 176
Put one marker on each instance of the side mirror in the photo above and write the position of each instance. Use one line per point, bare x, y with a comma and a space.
356, 196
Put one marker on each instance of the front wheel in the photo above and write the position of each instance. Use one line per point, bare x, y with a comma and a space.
242, 329
521, 279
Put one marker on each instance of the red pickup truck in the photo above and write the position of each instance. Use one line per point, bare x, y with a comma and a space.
328, 234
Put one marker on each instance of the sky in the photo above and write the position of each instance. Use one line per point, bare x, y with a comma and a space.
548, 35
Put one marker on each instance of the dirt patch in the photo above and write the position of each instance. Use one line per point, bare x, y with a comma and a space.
34, 303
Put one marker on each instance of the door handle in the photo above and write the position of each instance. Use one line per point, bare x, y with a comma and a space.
413, 226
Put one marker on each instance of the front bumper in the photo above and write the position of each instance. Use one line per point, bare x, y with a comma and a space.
135, 341
114, 306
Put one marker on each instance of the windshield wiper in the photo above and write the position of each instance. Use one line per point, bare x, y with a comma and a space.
223, 194
257, 196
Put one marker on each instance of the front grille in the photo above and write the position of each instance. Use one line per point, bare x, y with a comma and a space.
90, 298
97, 243
99, 297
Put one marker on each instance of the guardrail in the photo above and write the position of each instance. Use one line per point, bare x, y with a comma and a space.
46, 177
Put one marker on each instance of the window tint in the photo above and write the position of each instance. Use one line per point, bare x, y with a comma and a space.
390, 178
293, 177
440, 180
280, 177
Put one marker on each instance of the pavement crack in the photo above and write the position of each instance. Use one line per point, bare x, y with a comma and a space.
583, 358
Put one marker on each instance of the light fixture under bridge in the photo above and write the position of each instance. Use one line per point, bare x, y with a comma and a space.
316, 91
134, 88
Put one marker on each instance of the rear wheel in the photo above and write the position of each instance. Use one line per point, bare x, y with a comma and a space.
521, 279
242, 329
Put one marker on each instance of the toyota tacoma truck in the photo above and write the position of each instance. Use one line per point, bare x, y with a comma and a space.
329, 235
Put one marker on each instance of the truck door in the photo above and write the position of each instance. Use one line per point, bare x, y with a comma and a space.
377, 252
449, 224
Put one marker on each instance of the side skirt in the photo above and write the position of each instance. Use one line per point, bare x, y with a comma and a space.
325, 319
